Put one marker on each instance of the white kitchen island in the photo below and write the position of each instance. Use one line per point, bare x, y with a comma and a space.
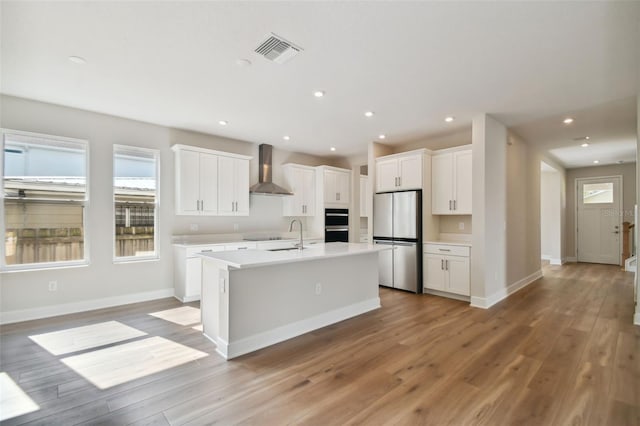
256, 298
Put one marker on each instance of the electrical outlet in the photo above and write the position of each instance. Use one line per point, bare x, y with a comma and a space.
461, 226
236, 227
193, 226
53, 285
318, 288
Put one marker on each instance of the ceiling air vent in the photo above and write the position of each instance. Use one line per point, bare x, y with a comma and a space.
277, 49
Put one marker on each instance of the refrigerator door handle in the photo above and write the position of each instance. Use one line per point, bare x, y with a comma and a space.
404, 243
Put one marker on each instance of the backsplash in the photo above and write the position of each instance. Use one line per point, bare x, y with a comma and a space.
451, 224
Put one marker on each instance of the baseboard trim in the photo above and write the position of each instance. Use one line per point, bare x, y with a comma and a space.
553, 261
188, 299
572, 259
487, 302
545, 257
279, 334
86, 305
446, 294
636, 318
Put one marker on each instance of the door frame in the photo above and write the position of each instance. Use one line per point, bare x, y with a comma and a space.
577, 201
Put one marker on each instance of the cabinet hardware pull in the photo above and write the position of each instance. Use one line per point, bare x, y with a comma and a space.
450, 205
455, 204
444, 249
399, 180
442, 264
206, 251
446, 265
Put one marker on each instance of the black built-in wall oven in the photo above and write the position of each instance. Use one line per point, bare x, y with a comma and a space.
336, 225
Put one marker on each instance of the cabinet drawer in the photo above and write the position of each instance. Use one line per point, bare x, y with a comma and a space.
192, 251
240, 246
448, 250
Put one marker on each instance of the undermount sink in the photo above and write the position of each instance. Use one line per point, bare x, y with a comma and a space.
286, 249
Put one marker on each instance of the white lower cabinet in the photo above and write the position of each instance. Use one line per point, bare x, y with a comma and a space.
447, 268
187, 269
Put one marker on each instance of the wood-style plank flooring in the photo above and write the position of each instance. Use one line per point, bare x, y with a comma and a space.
562, 351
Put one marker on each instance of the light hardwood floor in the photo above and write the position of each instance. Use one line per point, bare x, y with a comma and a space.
561, 351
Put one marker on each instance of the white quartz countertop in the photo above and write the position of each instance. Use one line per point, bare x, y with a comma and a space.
255, 258
206, 239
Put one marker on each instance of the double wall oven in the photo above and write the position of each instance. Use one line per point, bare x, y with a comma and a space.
336, 225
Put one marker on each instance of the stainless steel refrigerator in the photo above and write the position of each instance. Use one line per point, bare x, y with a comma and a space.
397, 222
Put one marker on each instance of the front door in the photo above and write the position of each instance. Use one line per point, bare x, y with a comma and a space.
599, 219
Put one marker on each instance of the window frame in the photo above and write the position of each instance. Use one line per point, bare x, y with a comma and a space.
85, 203
156, 217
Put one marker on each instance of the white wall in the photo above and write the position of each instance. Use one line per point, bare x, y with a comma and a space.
488, 251
551, 192
79, 288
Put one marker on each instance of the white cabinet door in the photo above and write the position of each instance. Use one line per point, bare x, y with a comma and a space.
441, 184
364, 196
208, 178
301, 181
410, 172
434, 273
330, 186
226, 185
241, 187
187, 183
308, 199
233, 186
343, 187
463, 182
458, 275
386, 175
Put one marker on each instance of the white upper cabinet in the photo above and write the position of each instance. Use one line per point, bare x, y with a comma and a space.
300, 180
211, 182
335, 186
233, 186
196, 183
364, 196
451, 182
399, 172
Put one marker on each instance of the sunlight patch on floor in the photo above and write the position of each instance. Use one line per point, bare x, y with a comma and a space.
120, 364
13, 401
86, 337
197, 327
184, 315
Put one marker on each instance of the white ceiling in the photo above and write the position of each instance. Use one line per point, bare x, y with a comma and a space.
413, 63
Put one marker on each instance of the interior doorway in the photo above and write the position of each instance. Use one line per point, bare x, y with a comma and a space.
599, 219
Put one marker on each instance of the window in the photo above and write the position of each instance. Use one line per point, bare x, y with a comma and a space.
44, 200
597, 193
135, 200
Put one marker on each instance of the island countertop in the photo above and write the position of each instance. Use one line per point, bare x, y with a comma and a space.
253, 258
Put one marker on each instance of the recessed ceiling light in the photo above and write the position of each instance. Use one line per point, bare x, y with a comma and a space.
286, 138
333, 148
568, 120
318, 93
449, 119
368, 114
381, 136
587, 138
243, 63
223, 122
584, 145
77, 60
596, 161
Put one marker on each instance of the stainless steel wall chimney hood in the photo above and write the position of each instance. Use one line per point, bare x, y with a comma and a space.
265, 186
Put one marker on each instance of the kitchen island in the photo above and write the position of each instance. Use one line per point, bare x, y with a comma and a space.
256, 298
